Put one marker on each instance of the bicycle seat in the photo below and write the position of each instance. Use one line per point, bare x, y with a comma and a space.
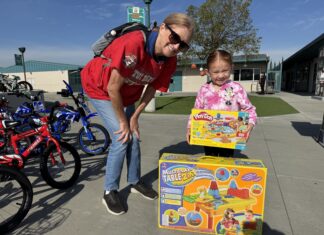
9, 124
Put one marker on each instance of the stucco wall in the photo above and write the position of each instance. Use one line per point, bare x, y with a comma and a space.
192, 81
48, 81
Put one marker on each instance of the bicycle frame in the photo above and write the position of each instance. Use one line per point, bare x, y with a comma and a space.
82, 108
11, 160
42, 133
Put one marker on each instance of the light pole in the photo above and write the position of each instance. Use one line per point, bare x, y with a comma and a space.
151, 105
148, 3
22, 50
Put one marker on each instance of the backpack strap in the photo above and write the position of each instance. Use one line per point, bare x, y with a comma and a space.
146, 35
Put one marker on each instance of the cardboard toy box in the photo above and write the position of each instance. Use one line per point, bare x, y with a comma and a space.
225, 129
211, 195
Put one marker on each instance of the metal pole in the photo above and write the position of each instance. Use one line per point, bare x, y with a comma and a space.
148, 15
22, 50
24, 67
148, 3
151, 105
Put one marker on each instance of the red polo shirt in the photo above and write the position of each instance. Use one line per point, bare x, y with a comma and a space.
127, 54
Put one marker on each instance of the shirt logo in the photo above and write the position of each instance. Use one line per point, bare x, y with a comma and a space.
130, 61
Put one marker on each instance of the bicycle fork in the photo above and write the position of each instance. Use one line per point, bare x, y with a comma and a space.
87, 130
58, 149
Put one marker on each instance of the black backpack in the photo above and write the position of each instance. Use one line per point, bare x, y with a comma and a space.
99, 46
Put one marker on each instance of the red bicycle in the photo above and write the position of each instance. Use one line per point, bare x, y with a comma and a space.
60, 163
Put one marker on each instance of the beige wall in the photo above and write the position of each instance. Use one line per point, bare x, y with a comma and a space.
50, 81
192, 81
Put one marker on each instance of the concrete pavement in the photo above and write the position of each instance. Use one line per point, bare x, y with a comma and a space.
295, 185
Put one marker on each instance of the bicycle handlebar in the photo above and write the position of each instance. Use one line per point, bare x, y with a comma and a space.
27, 94
56, 105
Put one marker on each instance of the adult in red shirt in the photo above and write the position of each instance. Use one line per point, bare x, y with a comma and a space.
116, 80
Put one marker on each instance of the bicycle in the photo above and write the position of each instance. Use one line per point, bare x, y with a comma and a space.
23, 113
16, 193
93, 138
12, 85
89, 135
53, 161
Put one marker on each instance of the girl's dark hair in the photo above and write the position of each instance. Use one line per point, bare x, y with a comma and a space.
219, 54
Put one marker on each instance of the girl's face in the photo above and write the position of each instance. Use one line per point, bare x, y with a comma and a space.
172, 39
219, 71
230, 215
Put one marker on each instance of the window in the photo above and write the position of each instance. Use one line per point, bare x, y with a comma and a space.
236, 75
256, 74
246, 74
75, 80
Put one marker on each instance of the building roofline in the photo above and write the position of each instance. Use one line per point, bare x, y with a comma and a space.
312, 43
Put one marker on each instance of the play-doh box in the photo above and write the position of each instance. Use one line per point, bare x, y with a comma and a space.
225, 129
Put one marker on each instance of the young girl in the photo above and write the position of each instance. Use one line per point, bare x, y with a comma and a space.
222, 94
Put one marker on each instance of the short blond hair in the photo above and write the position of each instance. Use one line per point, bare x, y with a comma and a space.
181, 20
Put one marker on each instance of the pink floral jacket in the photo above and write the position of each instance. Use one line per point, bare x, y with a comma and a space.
230, 97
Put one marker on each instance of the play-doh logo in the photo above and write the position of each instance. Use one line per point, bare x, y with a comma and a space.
203, 116
178, 175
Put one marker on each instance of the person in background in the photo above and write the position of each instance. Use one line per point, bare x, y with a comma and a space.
262, 83
116, 80
221, 93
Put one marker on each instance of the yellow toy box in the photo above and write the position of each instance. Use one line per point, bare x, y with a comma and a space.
211, 195
225, 129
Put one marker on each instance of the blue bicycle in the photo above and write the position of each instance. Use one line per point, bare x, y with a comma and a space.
93, 138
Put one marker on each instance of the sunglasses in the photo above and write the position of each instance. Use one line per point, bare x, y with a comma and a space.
174, 38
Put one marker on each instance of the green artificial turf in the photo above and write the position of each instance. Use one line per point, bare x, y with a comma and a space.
265, 106
271, 106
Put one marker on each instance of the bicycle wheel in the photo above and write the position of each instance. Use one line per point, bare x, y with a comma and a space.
60, 175
24, 86
16, 197
3, 88
99, 144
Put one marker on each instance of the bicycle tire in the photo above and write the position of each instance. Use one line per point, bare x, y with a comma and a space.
3, 88
26, 85
85, 146
8, 174
51, 178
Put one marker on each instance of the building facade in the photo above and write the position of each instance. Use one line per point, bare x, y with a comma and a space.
302, 70
247, 70
47, 76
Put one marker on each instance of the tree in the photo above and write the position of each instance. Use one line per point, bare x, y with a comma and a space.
223, 24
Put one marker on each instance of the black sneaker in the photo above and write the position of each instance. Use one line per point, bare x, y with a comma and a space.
113, 203
146, 192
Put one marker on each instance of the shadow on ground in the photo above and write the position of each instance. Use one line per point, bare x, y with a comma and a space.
267, 230
148, 180
300, 93
306, 128
182, 148
48, 210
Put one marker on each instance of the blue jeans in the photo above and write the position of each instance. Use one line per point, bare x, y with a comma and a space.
118, 150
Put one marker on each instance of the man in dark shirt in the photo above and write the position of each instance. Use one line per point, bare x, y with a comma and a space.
262, 83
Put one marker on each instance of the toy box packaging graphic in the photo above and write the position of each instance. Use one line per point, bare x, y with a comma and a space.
225, 129
211, 195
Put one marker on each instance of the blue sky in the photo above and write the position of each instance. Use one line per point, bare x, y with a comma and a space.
63, 30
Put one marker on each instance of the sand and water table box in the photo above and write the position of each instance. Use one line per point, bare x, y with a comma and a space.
211, 195
225, 129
